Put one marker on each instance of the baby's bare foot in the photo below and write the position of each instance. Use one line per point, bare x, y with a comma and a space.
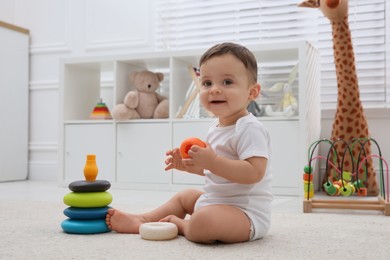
180, 223
123, 222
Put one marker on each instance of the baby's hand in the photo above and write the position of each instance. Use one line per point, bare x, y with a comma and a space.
200, 157
174, 160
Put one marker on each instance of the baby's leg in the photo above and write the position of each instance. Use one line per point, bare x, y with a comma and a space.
212, 223
179, 205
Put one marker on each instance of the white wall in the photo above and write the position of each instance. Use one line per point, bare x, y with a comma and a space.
65, 28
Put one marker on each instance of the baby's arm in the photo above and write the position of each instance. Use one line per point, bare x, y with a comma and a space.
250, 171
175, 161
247, 171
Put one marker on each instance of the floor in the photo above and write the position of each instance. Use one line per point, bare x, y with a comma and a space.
51, 192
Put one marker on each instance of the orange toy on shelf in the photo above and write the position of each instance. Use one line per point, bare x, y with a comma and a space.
90, 168
188, 143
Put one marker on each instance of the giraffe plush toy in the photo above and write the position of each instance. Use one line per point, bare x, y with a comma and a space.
350, 121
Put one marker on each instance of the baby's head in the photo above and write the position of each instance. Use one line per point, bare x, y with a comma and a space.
238, 51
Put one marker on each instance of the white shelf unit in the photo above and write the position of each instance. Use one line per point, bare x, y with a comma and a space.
131, 153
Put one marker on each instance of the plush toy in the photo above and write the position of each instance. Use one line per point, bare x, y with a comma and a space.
288, 105
144, 102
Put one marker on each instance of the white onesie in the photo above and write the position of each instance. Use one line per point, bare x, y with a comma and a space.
247, 138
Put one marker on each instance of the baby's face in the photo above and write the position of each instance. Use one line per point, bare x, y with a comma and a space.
226, 90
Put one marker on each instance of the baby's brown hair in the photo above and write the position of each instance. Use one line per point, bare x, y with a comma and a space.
238, 51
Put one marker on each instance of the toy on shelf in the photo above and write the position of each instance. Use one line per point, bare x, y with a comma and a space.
100, 111
192, 104
344, 183
288, 105
188, 143
88, 202
255, 109
144, 101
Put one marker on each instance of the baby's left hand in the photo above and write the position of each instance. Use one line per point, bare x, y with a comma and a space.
200, 157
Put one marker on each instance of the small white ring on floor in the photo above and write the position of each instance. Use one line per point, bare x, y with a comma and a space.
158, 231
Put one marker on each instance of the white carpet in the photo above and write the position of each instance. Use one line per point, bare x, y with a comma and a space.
31, 230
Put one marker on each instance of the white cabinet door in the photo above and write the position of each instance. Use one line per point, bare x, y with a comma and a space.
181, 131
83, 139
141, 151
286, 148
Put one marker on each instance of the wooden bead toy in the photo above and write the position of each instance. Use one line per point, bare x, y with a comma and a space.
358, 184
352, 187
330, 189
346, 191
308, 169
361, 192
307, 177
347, 176
310, 193
341, 183
308, 186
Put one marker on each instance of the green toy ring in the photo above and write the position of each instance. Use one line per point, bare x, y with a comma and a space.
88, 199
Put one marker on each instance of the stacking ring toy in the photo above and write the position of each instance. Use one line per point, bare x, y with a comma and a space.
188, 143
88, 199
90, 186
86, 213
93, 226
158, 231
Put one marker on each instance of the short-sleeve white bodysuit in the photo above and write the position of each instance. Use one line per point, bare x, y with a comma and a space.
247, 138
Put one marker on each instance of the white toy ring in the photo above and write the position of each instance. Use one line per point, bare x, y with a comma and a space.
158, 231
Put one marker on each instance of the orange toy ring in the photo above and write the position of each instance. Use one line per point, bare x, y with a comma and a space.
188, 143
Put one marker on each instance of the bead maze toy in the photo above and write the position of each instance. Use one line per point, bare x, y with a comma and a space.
343, 183
88, 202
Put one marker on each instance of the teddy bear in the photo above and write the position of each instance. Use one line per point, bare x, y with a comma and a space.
144, 101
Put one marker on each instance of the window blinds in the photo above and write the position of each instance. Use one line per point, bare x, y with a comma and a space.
185, 24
